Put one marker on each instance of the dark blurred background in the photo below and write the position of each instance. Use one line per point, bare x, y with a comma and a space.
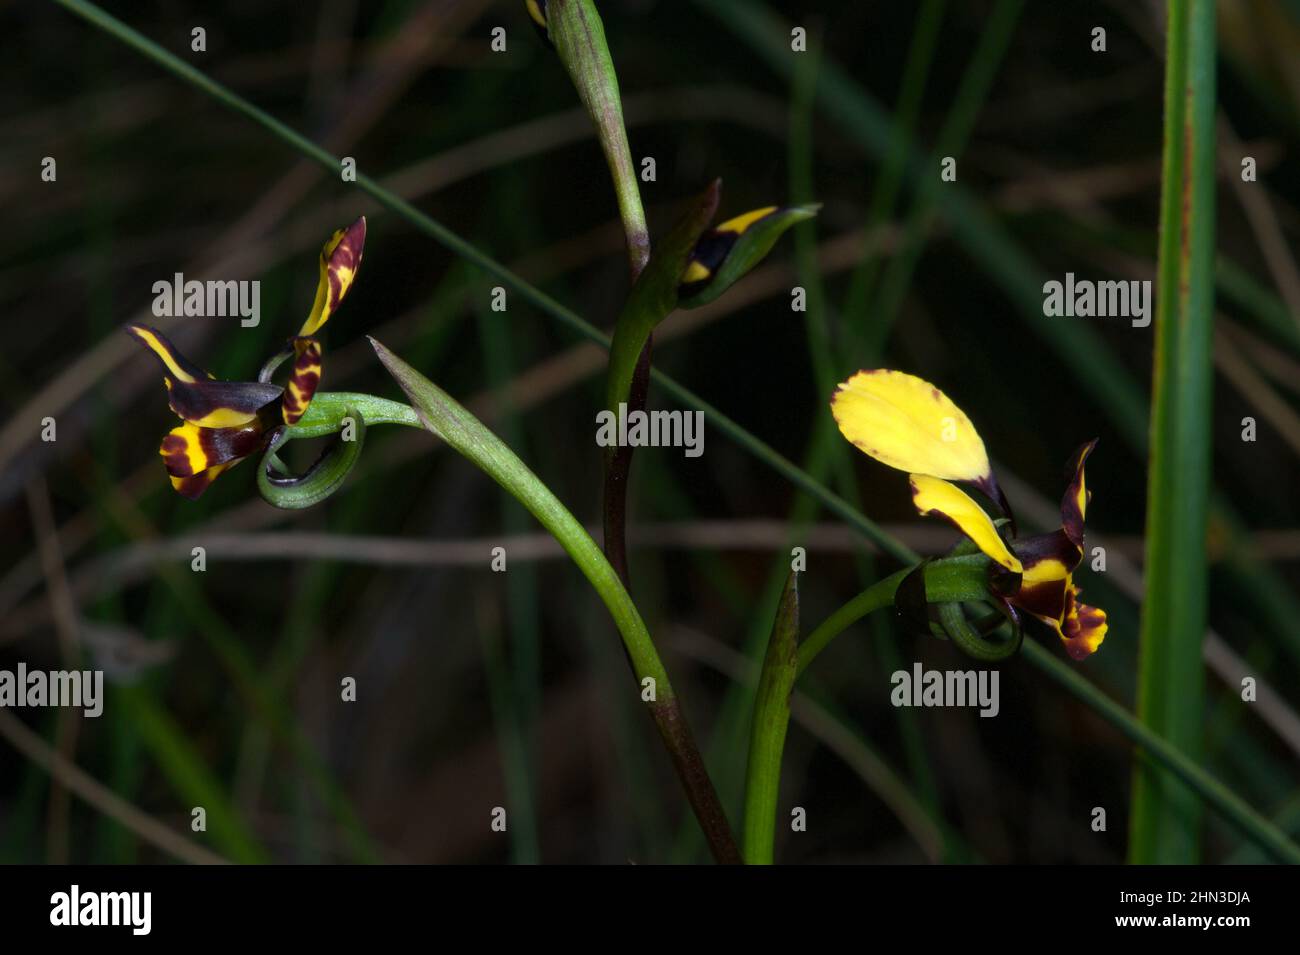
478, 689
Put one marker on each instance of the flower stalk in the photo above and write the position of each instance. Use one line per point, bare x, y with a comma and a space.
576, 30
767, 734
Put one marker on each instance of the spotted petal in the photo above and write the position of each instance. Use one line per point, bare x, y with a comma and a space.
195, 456
188, 449
933, 496
303, 380
195, 396
339, 260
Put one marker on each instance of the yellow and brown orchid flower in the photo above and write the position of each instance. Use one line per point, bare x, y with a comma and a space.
909, 424
224, 422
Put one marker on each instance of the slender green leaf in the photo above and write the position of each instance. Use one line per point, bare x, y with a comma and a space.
443, 416
1164, 825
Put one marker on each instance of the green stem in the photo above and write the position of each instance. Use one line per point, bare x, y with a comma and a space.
767, 734
328, 408
1166, 817
880, 594
578, 33
576, 30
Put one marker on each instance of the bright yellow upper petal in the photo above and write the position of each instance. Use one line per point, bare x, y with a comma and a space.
933, 496
742, 222
909, 424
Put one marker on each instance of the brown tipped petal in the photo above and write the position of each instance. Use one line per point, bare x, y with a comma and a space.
1074, 505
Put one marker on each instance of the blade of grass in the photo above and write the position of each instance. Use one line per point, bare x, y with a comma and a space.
884, 197
41, 754
189, 775
972, 93
1165, 819
519, 680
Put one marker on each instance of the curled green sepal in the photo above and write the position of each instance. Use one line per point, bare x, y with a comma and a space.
930, 598
293, 492
724, 255
970, 642
947, 580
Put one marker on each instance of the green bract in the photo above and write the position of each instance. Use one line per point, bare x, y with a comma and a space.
730, 251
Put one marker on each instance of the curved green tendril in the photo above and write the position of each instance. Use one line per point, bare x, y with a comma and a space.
969, 642
281, 489
274, 362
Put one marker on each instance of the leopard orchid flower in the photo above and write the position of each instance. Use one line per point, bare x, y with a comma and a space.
909, 424
223, 422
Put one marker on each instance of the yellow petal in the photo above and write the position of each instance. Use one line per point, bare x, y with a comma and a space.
909, 424
933, 496
742, 222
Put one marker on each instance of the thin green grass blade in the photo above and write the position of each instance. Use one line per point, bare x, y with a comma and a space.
191, 778
1165, 820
